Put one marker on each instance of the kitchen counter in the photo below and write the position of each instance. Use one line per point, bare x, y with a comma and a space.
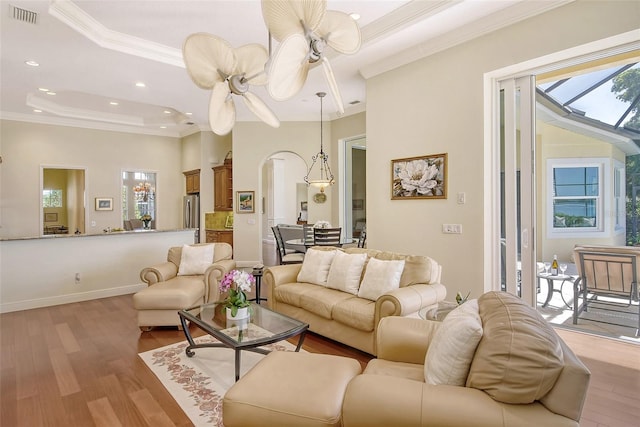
76, 236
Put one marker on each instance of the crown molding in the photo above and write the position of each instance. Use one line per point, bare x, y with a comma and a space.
110, 127
508, 16
71, 15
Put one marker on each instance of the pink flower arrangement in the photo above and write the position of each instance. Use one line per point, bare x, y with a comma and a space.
236, 283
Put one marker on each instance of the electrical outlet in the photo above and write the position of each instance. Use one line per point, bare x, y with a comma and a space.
452, 228
93, 223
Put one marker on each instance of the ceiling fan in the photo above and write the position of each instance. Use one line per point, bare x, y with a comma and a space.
304, 29
214, 64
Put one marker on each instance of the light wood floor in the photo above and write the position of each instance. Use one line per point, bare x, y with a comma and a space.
77, 365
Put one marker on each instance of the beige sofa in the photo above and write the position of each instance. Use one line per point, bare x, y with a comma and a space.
516, 372
168, 292
346, 317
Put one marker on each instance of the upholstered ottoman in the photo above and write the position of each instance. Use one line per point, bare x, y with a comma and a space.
290, 389
158, 305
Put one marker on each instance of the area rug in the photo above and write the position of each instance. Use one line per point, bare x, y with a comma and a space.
199, 383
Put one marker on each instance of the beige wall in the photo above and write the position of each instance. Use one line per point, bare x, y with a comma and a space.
435, 105
26, 147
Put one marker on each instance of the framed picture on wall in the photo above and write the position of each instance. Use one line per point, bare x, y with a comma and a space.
104, 203
423, 177
245, 202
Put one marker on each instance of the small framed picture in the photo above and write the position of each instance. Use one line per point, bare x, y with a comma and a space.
358, 204
423, 177
303, 206
245, 202
50, 217
104, 203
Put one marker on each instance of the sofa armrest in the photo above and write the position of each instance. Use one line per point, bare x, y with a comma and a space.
159, 273
409, 299
404, 339
278, 275
212, 277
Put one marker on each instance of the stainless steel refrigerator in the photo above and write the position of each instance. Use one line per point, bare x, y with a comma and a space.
191, 213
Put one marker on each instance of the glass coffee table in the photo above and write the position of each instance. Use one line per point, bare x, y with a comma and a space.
263, 327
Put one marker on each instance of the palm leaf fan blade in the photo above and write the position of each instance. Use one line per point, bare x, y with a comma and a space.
260, 109
341, 31
222, 111
283, 17
204, 55
251, 61
333, 85
289, 68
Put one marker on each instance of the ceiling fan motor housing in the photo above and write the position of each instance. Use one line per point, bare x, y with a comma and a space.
238, 84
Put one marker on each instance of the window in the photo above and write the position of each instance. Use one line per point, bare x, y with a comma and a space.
619, 196
51, 198
577, 191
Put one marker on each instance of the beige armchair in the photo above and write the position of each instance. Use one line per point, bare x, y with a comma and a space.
168, 291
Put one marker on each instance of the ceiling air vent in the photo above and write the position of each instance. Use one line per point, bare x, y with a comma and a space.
24, 15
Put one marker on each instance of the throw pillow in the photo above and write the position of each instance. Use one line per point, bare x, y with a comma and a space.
519, 357
315, 267
380, 277
345, 272
452, 348
195, 259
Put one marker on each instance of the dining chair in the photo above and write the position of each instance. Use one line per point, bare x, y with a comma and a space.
283, 256
327, 236
307, 235
362, 238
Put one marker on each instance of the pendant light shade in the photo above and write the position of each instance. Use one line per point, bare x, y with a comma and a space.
324, 177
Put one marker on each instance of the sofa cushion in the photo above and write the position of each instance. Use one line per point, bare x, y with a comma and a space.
291, 293
380, 277
315, 267
346, 271
195, 259
358, 313
519, 357
454, 343
321, 301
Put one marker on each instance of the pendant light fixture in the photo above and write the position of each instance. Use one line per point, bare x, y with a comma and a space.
326, 177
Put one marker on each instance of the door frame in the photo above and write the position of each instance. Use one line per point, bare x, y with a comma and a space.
611, 46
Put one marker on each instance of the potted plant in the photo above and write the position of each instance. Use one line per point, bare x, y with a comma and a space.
236, 283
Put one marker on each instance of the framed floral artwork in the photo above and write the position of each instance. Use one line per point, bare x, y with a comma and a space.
423, 177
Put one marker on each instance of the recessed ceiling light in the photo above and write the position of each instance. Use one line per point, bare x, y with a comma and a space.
355, 16
189, 114
163, 127
140, 84
43, 89
37, 111
113, 103
32, 63
167, 112
51, 93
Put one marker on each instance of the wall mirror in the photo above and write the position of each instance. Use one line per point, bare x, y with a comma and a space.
138, 200
63, 201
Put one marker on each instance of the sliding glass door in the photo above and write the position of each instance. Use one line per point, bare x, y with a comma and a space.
517, 213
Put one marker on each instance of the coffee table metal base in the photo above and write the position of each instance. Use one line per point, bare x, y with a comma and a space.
192, 345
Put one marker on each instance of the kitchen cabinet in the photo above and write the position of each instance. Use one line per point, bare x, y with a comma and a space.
217, 236
223, 187
193, 181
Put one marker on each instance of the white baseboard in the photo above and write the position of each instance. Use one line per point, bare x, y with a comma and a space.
69, 298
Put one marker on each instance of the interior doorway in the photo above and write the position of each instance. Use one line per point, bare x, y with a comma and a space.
353, 193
